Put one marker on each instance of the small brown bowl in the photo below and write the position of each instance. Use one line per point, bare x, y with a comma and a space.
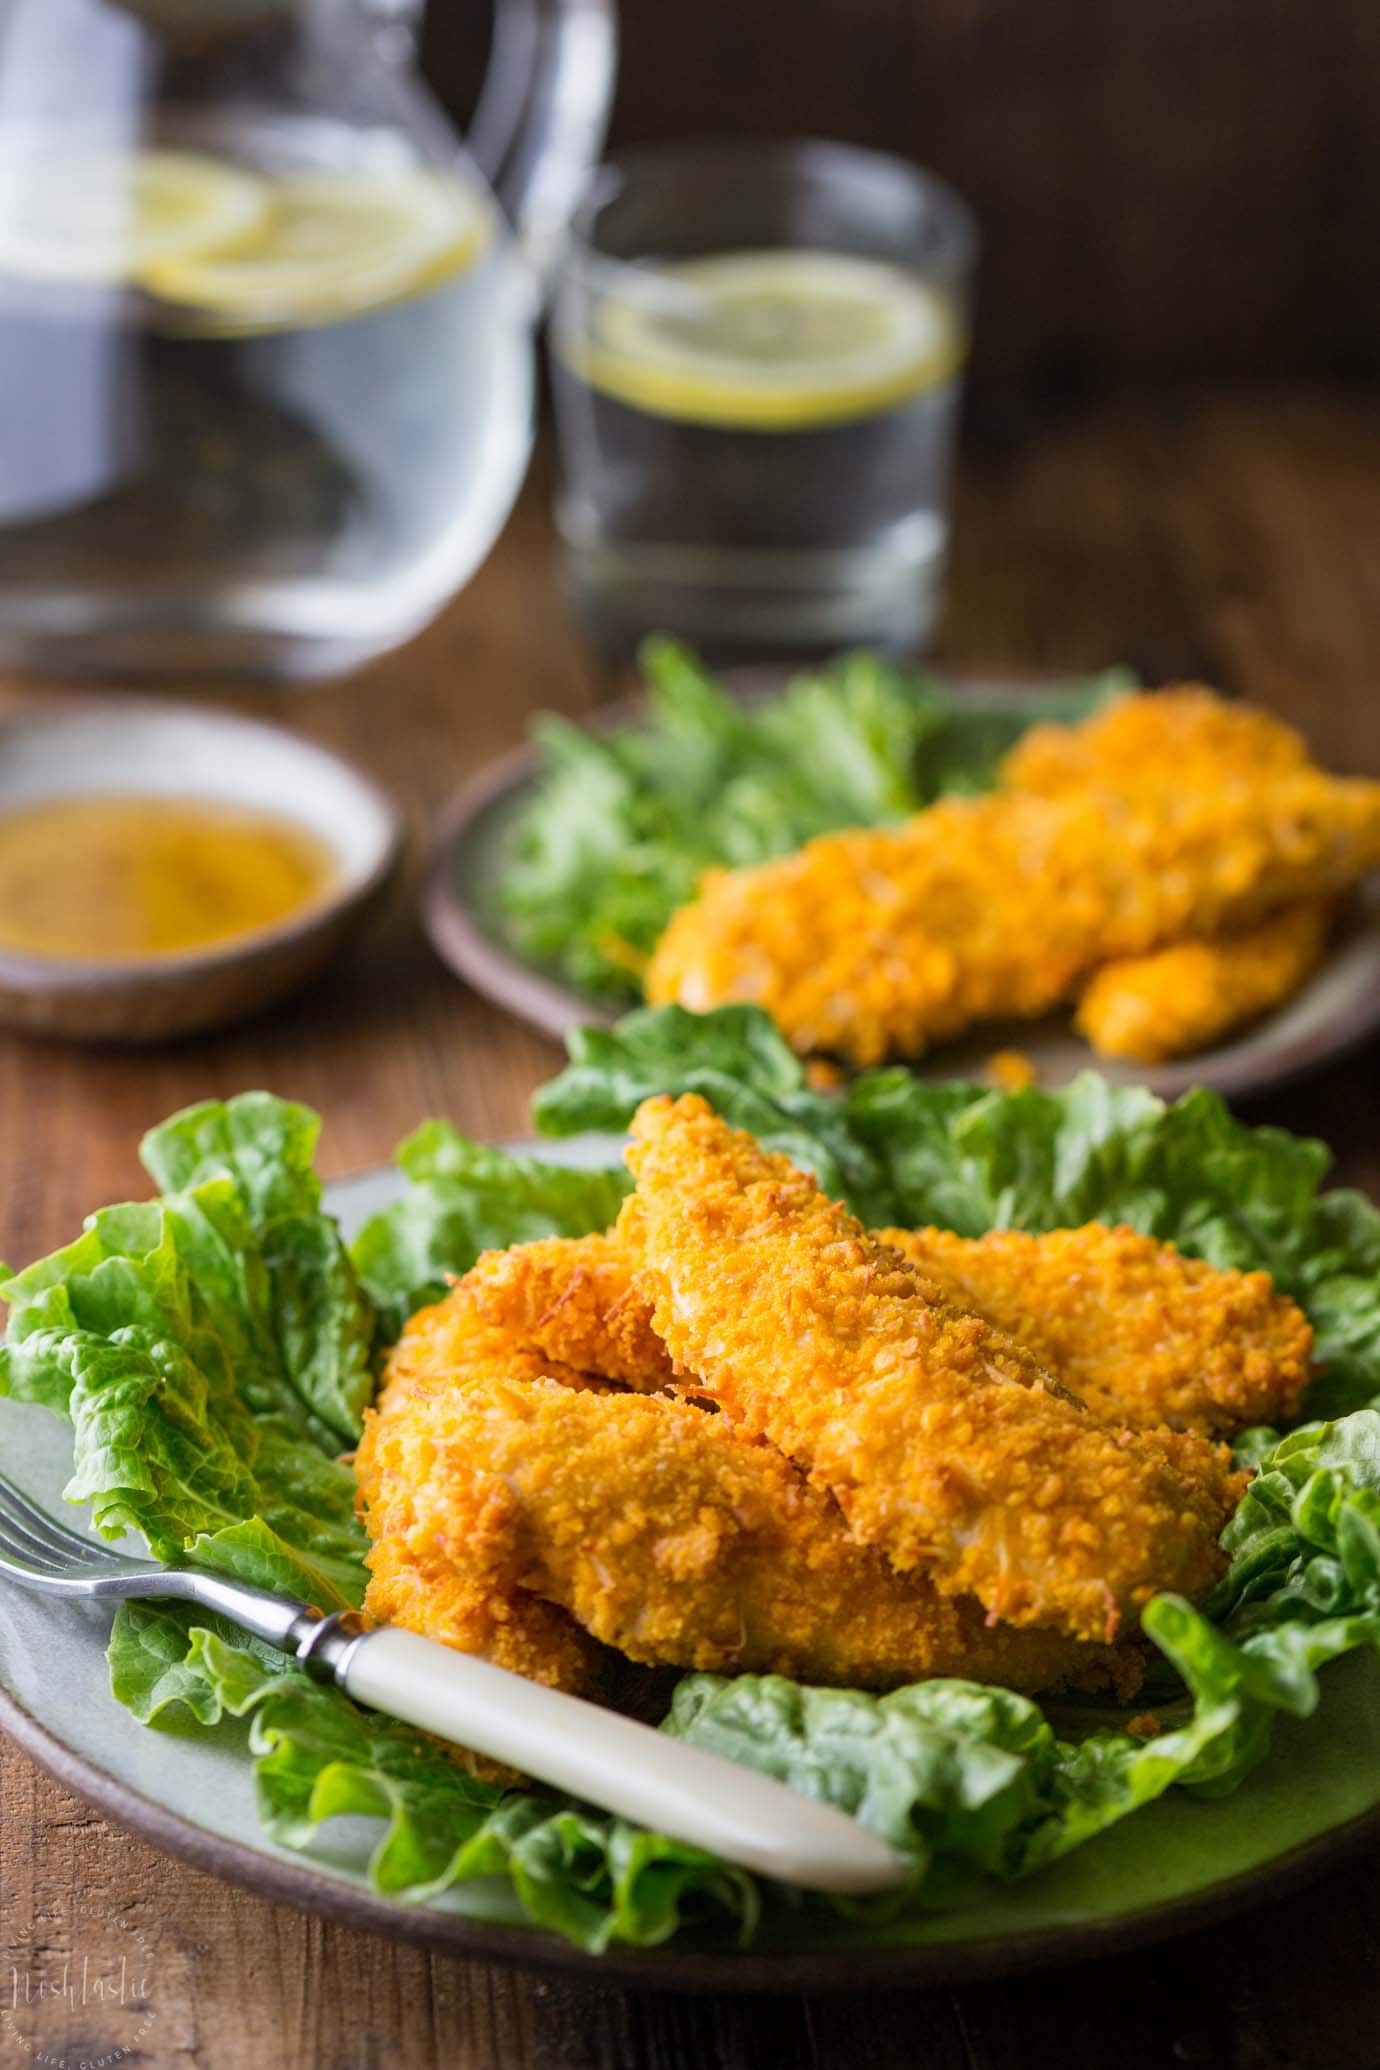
64, 747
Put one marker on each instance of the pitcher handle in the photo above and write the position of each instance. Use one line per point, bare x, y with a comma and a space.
543, 111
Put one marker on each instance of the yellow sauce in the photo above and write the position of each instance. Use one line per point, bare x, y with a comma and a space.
119, 879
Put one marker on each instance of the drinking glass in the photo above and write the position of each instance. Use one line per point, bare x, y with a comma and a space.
757, 355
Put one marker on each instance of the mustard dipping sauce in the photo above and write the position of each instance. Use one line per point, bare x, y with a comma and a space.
127, 879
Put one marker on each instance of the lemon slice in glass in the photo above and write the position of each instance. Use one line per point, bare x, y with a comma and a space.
107, 216
334, 244
770, 340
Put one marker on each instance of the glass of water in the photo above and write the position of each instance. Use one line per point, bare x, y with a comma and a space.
757, 353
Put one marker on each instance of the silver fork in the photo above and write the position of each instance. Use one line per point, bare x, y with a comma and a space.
595, 1754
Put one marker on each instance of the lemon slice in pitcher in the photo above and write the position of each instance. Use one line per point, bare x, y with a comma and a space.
107, 216
334, 244
770, 340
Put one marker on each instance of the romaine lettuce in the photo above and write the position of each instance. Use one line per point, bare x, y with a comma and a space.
211, 1351
464, 1198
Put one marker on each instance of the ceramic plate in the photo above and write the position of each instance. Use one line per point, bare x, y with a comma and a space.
1174, 1866
1336, 1012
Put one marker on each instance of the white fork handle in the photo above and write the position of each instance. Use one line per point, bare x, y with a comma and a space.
623, 1766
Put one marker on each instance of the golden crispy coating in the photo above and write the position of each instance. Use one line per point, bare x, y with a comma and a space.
874, 944
455, 1582
1172, 738
1181, 999
667, 1536
937, 1434
451, 1337
868, 945
544, 1301
1141, 1334
573, 1299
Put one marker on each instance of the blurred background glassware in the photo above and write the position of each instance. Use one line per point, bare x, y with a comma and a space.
757, 355
266, 352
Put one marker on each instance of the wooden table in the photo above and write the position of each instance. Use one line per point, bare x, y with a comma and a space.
1231, 536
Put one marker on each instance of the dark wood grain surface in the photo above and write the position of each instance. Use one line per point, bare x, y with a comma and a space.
1232, 535
1188, 187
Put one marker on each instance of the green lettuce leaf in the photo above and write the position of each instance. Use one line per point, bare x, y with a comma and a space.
464, 1198
736, 1059
155, 1668
309, 1300
264, 1144
623, 822
196, 1344
323, 1320
958, 1777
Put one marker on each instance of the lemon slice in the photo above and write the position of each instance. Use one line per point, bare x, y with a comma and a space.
771, 340
108, 216
334, 244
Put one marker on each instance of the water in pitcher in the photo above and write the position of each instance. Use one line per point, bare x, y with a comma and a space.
257, 385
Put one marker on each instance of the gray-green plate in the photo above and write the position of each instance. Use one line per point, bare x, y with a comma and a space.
1176, 1865
1335, 1012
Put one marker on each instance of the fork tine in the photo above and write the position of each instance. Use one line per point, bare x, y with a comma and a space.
25, 1551
44, 1533
23, 1559
27, 1548
35, 1514
52, 1547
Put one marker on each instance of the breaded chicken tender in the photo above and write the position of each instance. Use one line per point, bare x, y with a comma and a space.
1142, 1335
872, 944
456, 1585
582, 1300
1185, 997
573, 1298
661, 1533
942, 1440
454, 1336
1171, 739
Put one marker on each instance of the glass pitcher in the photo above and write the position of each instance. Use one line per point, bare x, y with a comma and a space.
266, 328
